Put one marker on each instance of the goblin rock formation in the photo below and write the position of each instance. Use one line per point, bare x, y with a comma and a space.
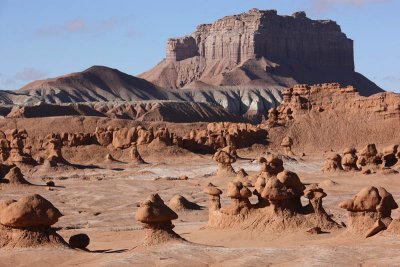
278, 209
369, 210
156, 218
27, 223
214, 199
225, 157
234, 50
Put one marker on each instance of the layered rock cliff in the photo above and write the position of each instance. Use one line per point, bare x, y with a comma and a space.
329, 116
257, 49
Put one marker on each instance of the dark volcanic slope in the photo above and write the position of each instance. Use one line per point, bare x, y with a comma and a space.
97, 83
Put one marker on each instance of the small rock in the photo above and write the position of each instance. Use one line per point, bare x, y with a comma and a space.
79, 241
50, 183
315, 231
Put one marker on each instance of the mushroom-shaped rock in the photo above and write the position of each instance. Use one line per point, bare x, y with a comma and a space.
225, 161
259, 188
214, 199
333, 162
374, 199
27, 223
156, 218
30, 211
271, 166
240, 199
180, 203
368, 157
368, 206
315, 195
284, 191
349, 159
287, 143
15, 177
291, 180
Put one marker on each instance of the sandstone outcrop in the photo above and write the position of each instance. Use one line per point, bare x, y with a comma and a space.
287, 144
331, 117
53, 144
278, 209
239, 195
370, 210
332, 163
14, 149
225, 157
27, 223
156, 218
179, 203
270, 166
259, 48
349, 159
135, 156
214, 199
15, 177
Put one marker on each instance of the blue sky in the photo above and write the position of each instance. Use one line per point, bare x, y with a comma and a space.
47, 38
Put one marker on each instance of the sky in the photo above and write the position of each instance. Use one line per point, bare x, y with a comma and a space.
47, 38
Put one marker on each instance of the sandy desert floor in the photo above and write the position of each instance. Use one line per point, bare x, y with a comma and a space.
101, 202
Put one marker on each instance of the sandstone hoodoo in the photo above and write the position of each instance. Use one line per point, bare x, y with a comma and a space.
349, 159
270, 166
332, 163
278, 209
14, 148
214, 199
27, 223
368, 158
260, 48
225, 157
156, 218
15, 177
53, 144
369, 211
135, 156
179, 204
287, 144
239, 195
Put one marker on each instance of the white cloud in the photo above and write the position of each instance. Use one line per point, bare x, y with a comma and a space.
81, 26
71, 26
29, 74
323, 5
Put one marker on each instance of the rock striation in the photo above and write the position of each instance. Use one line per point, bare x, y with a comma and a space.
259, 48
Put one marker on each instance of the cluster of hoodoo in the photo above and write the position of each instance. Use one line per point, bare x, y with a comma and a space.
14, 148
278, 206
53, 144
367, 160
369, 211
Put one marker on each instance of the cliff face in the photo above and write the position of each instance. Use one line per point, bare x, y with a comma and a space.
329, 116
260, 48
282, 39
